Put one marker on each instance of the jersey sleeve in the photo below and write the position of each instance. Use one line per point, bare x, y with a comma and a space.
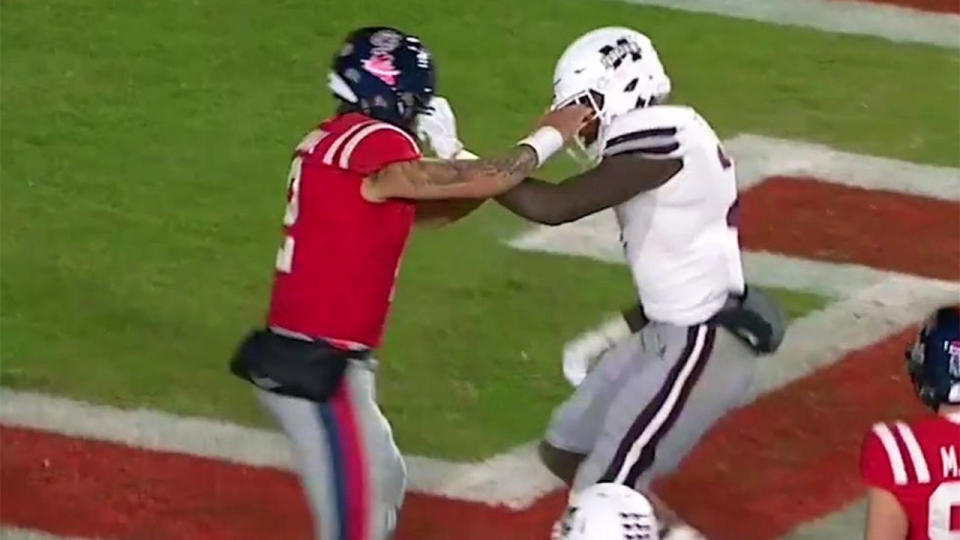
876, 465
653, 132
377, 146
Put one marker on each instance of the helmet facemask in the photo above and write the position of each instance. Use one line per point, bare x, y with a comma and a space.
590, 139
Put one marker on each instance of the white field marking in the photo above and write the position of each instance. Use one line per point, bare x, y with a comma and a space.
866, 316
17, 533
875, 304
864, 18
514, 478
758, 157
847, 522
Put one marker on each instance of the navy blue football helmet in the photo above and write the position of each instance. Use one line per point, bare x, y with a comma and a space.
934, 359
385, 74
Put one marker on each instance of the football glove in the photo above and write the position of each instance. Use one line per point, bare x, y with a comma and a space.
438, 127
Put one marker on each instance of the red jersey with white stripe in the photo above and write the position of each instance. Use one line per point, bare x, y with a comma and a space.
918, 463
337, 267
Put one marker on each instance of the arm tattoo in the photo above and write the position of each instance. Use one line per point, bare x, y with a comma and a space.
507, 168
480, 177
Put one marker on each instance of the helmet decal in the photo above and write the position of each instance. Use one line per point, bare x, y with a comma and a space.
381, 66
385, 73
953, 349
613, 56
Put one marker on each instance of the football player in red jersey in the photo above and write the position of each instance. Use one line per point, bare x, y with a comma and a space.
911, 468
356, 186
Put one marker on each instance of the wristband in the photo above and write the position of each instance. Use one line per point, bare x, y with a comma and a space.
545, 142
465, 154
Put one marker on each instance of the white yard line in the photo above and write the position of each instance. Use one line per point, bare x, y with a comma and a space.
514, 478
16, 533
864, 18
758, 157
844, 523
864, 317
872, 304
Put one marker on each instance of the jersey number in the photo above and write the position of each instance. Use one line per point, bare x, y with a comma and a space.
307, 145
941, 504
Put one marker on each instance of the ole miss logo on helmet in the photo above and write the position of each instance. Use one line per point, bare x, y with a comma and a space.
381, 66
953, 349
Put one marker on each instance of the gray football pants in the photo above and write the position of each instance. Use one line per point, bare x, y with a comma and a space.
350, 467
648, 401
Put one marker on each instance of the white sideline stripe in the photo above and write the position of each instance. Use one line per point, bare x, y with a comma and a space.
758, 157
866, 316
890, 22
893, 453
844, 523
881, 303
916, 454
514, 478
362, 134
17, 533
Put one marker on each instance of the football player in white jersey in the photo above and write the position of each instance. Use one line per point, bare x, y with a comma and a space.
667, 373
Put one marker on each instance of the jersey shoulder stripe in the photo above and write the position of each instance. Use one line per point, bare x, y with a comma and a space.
654, 132
920, 468
892, 450
366, 132
334, 147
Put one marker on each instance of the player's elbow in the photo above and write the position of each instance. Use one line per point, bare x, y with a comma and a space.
552, 211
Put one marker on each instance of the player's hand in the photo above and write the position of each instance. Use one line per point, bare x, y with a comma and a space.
438, 127
568, 120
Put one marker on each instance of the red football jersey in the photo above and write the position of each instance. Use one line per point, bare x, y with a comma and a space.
338, 263
917, 463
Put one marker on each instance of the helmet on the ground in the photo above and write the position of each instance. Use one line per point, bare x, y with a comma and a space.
934, 359
383, 73
607, 512
613, 70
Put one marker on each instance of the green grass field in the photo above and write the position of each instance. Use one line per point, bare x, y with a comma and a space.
145, 147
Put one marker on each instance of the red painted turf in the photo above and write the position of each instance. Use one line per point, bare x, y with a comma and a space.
80, 487
791, 456
751, 478
831, 222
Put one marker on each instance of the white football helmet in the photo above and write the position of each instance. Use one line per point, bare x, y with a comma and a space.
613, 70
607, 512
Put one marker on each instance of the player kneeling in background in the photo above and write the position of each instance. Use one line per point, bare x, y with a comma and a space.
357, 184
912, 468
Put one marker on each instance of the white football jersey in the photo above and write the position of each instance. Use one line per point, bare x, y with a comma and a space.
680, 239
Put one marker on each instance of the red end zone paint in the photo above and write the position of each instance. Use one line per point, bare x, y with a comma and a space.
792, 455
936, 6
789, 457
831, 222
80, 487
87, 488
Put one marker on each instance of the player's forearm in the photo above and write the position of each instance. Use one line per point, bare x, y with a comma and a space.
462, 178
443, 212
536, 201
